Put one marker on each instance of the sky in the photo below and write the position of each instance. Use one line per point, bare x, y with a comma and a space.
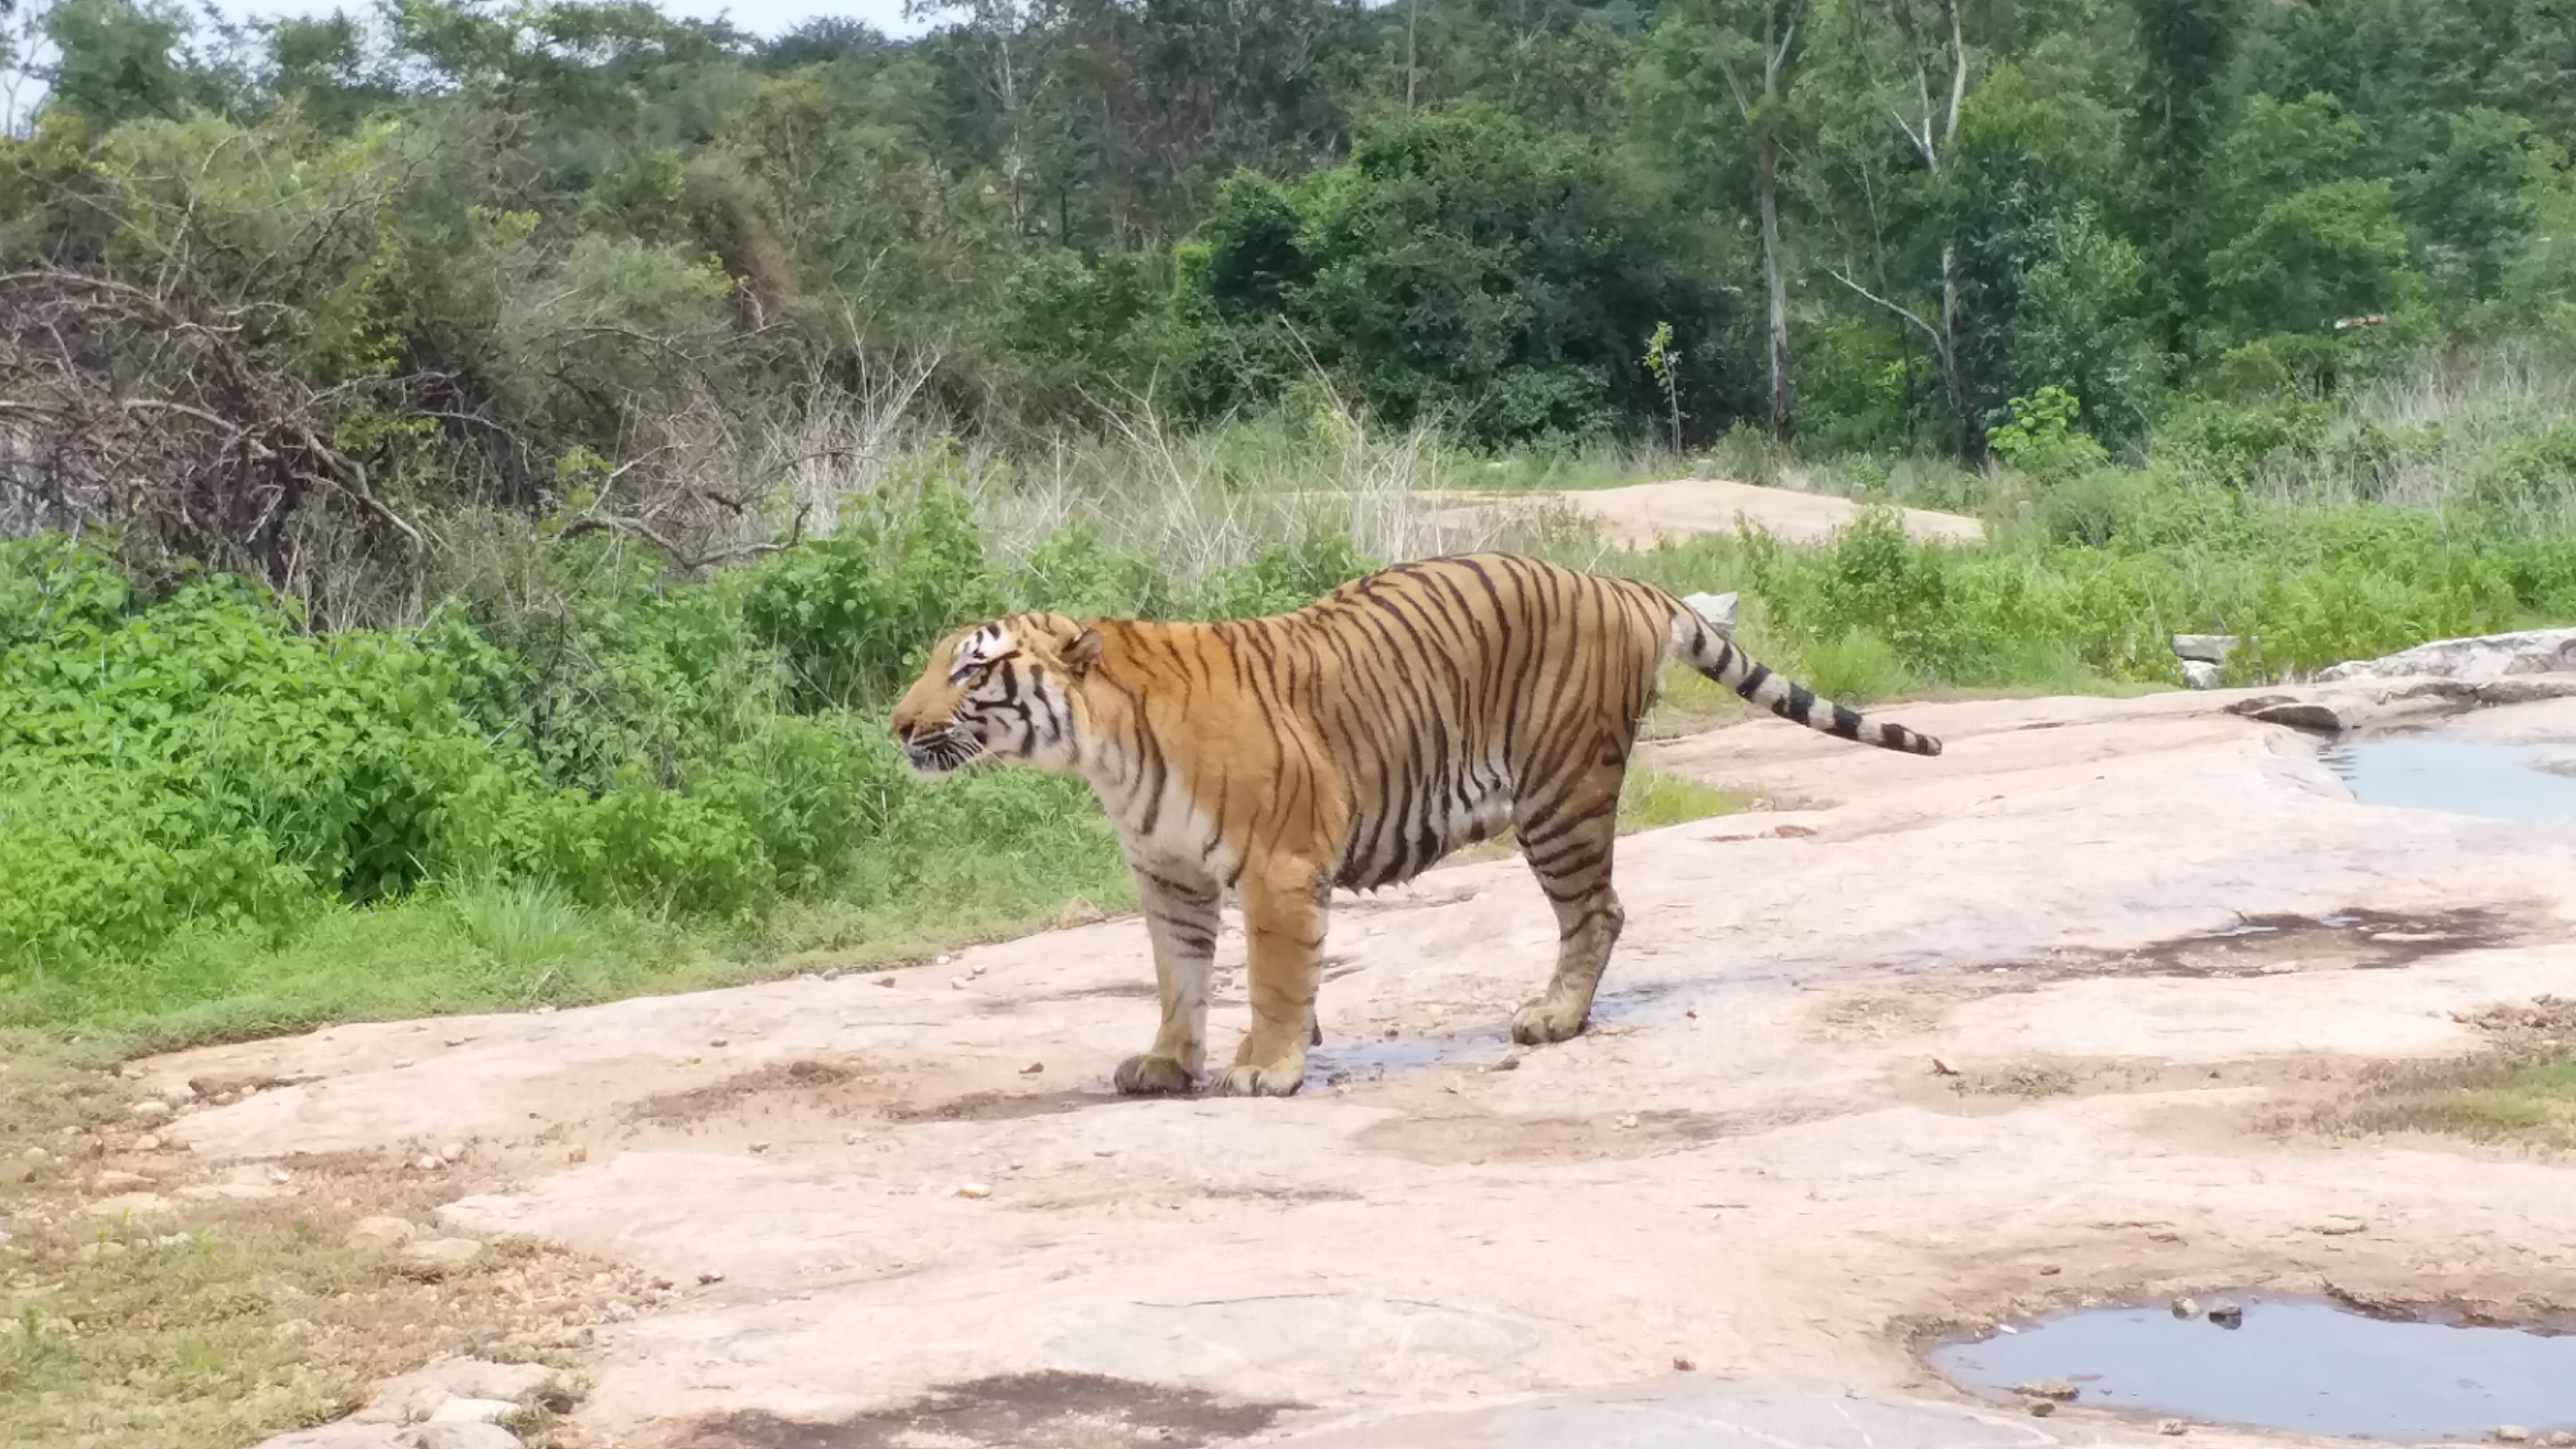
760, 17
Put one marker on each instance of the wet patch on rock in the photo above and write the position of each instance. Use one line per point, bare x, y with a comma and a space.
1051, 1410
2272, 945
2280, 1362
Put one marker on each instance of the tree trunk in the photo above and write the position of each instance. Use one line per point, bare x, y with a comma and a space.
1776, 281
1972, 433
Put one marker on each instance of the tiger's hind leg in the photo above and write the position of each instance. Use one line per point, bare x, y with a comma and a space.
1567, 834
1181, 921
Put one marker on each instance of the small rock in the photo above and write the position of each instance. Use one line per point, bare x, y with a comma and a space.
711, 1275
2040, 1408
457, 1041
2186, 1307
942, 960
1681, 1365
473, 1411
885, 980
974, 1189
430, 1162
2171, 1427
956, 983
2047, 1389
465, 1436
148, 1142
149, 1110
760, 1147
2200, 674
2342, 1227
115, 1181
2512, 1434
976, 971
1507, 1064
2049, 1270
438, 1257
578, 1154
2225, 1313
1628, 1120
233, 1191
2560, 1440
381, 1231
1079, 912
1032, 1069
402, 1062
452, 1152
717, 1041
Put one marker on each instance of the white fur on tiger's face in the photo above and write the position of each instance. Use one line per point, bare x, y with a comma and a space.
999, 691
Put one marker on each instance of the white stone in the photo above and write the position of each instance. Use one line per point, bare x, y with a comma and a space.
1717, 609
473, 1411
2207, 648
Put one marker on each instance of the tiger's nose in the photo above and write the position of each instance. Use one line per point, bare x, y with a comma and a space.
903, 731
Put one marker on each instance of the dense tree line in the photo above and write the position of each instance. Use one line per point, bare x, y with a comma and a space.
439, 251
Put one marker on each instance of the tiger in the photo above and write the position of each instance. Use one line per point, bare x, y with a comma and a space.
1351, 743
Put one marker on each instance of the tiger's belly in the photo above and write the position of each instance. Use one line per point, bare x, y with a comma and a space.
1401, 838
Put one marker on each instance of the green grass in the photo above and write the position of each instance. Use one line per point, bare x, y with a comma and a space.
2533, 1102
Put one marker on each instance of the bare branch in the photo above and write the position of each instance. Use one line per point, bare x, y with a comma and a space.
1939, 343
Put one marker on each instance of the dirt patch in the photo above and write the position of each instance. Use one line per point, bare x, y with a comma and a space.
158, 1302
1988, 1088
1452, 1138
999, 1106
671, 1109
2520, 1091
1051, 1410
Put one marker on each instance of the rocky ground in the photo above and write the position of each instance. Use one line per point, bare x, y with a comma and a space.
1935, 1042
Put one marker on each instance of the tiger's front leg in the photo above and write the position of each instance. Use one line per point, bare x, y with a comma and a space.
1181, 920
1283, 919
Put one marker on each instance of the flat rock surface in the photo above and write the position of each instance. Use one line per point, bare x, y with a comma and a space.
1640, 513
1938, 1041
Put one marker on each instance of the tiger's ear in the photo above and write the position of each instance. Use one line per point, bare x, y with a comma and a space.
1083, 652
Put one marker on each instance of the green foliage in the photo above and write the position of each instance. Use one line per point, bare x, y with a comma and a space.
2327, 252
2043, 437
853, 615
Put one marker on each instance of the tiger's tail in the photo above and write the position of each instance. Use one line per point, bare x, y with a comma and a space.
1707, 649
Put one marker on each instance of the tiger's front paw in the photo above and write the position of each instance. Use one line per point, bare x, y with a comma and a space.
1148, 1075
1546, 1020
1250, 1079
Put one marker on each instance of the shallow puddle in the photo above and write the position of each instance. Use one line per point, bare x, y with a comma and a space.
2465, 777
2293, 1363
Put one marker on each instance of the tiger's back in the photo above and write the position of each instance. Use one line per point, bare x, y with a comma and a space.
1353, 742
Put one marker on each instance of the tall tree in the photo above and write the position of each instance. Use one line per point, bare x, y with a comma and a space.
1711, 92
1932, 54
2183, 51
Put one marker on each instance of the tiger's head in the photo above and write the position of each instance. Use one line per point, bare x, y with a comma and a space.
1002, 690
